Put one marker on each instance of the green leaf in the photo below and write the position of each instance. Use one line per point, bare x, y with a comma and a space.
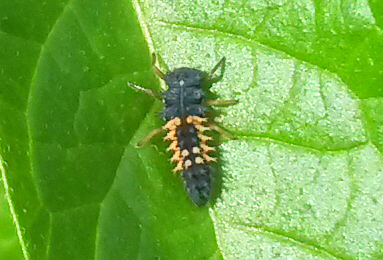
302, 181
9, 244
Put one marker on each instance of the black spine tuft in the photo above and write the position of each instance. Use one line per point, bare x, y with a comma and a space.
197, 182
197, 177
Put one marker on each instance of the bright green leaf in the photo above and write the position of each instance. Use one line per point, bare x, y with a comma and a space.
9, 244
302, 181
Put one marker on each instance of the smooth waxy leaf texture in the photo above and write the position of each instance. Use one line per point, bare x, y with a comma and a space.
302, 181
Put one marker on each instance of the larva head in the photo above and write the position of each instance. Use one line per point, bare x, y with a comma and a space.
184, 77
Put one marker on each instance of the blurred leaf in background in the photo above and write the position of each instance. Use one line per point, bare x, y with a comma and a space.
302, 181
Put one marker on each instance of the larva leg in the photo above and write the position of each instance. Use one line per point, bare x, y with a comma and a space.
220, 130
149, 136
146, 91
218, 102
221, 64
156, 70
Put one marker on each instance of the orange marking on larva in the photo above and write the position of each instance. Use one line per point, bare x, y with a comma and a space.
169, 126
208, 158
188, 163
198, 160
195, 120
176, 157
196, 150
185, 153
189, 119
204, 138
173, 146
171, 135
173, 123
177, 121
201, 128
207, 148
199, 119
178, 167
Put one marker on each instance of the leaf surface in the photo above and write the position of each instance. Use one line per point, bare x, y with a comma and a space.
302, 181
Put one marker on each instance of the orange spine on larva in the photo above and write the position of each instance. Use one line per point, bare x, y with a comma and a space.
192, 148
190, 151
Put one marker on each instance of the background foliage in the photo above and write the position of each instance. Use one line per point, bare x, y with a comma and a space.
302, 181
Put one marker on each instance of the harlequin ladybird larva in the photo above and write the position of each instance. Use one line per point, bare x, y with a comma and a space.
184, 111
